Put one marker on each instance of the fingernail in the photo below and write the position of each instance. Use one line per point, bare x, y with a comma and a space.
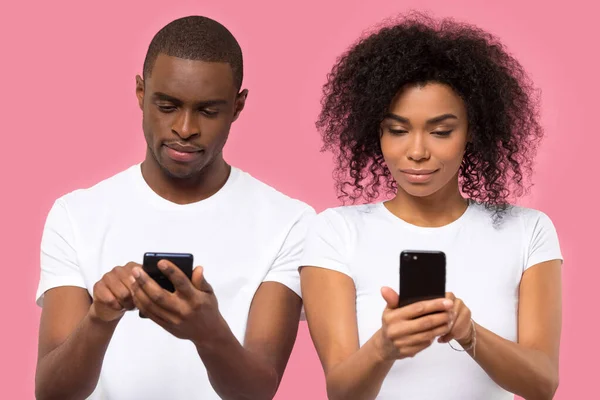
447, 303
162, 265
132, 279
136, 272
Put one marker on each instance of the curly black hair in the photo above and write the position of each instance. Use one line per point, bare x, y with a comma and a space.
502, 106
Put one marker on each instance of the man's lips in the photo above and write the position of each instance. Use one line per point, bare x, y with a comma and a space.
182, 153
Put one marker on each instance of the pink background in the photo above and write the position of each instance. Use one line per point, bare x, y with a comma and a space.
70, 119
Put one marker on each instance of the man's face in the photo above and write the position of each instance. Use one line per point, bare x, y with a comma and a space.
188, 107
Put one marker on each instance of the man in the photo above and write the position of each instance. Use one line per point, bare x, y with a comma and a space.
185, 198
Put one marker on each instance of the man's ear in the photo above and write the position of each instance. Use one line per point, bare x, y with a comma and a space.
240, 102
139, 91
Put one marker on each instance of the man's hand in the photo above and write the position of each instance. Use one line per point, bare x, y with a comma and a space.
112, 294
191, 312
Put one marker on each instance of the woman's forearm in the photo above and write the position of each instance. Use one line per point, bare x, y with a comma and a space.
527, 372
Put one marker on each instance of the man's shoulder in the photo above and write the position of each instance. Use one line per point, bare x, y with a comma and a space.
257, 193
101, 192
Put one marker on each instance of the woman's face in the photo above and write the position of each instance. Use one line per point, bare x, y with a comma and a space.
423, 138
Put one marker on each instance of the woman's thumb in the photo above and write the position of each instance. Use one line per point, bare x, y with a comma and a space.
390, 297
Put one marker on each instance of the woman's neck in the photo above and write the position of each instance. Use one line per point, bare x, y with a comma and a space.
440, 208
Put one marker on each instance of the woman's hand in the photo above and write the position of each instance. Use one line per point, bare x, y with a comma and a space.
409, 330
462, 327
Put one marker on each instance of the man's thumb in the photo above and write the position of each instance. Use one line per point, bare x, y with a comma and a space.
199, 281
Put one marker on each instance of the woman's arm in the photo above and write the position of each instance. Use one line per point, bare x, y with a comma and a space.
358, 373
528, 368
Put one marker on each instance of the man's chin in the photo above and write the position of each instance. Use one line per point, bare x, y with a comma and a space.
181, 172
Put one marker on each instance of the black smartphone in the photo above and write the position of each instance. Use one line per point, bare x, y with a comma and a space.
183, 261
422, 276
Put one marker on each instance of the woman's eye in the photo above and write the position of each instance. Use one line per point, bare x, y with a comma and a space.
397, 131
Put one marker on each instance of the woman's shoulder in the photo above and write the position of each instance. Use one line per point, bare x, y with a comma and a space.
348, 215
513, 215
351, 211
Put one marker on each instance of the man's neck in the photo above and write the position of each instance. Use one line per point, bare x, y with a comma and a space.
189, 190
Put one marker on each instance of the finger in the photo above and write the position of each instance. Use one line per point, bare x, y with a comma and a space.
131, 265
149, 308
403, 328
411, 351
390, 296
446, 338
166, 325
199, 281
462, 326
458, 304
103, 295
119, 291
149, 315
421, 338
422, 308
123, 295
456, 309
462, 323
124, 275
413, 342
144, 285
180, 281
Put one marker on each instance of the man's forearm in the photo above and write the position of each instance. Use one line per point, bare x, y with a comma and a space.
236, 373
71, 370
361, 375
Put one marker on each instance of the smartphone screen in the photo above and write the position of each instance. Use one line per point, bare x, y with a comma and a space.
422, 276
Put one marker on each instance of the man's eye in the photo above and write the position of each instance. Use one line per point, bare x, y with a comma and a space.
166, 109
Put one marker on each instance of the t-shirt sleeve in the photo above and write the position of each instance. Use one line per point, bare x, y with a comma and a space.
544, 244
58, 259
327, 243
285, 267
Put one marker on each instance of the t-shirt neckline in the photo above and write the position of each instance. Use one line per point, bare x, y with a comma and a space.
155, 199
422, 229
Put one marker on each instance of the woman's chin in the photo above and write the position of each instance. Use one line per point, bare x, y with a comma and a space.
418, 190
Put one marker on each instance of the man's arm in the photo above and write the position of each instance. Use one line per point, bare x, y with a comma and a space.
236, 371
75, 332
255, 370
71, 346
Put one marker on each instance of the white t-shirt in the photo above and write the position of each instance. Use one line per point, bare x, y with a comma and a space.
245, 234
484, 268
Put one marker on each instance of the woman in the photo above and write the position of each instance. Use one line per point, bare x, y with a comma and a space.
439, 115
